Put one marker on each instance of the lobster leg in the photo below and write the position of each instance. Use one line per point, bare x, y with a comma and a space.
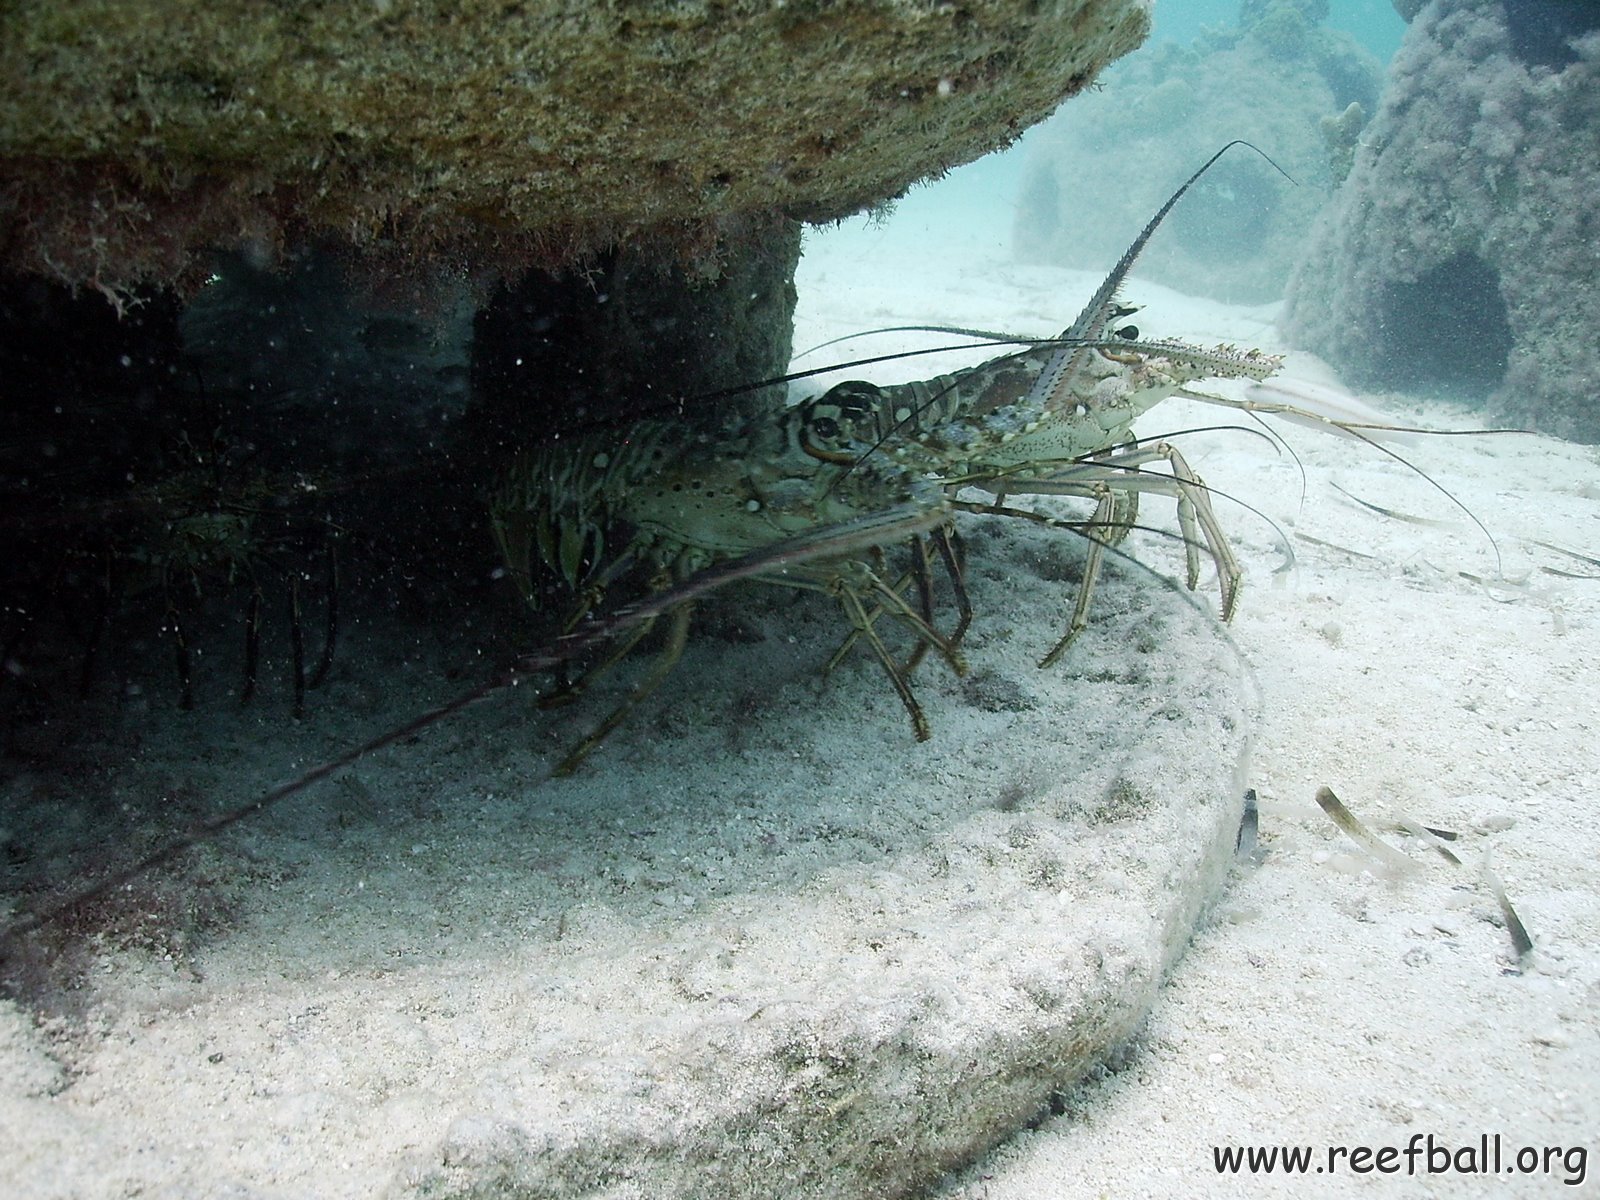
180, 645
859, 618
1107, 503
1105, 514
297, 648
1115, 481
924, 580
925, 596
921, 573
1197, 520
570, 689
677, 638
325, 664
944, 539
252, 644
895, 603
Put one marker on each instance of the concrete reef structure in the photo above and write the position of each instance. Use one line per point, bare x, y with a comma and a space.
136, 136
1462, 253
1280, 79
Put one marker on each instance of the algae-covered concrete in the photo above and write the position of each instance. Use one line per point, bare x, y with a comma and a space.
135, 133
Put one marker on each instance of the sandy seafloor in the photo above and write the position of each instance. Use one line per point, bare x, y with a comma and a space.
1331, 1002
1421, 673
1330, 999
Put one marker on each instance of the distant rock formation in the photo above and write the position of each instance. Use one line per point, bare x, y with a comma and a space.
1462, 254
1298, 90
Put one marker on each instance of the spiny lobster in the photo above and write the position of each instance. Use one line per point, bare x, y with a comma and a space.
809, 496
1054, 418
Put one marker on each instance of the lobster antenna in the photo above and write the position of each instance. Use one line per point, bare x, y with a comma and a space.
1092, 320
988, 335
1088, 331
1357, 430
1063, 367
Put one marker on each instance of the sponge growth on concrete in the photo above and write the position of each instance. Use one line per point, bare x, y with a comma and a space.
135, 135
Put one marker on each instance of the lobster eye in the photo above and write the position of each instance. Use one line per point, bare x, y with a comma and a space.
820, 435
1128, 333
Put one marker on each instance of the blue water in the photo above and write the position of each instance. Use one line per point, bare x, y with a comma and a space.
1373, 23
978, 202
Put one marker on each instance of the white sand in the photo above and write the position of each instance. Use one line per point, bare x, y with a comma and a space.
1332, 1002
